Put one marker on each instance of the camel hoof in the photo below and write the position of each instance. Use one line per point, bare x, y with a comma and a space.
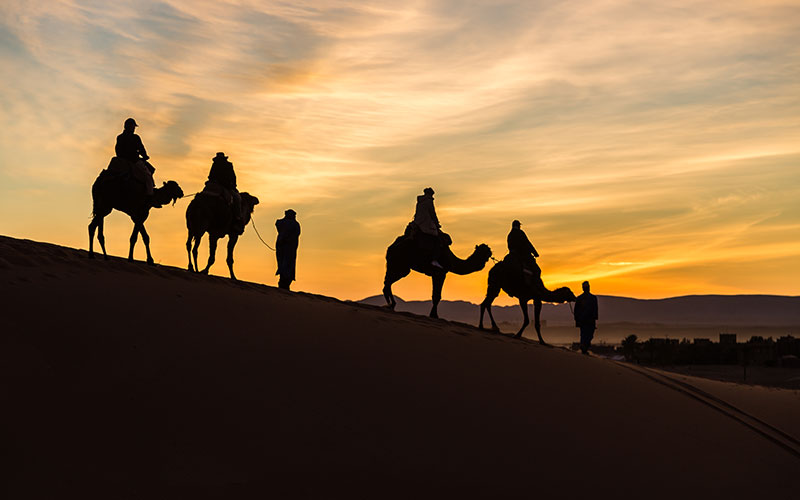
518, 336
150, 262
204, 271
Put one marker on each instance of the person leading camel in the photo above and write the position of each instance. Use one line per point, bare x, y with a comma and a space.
222, 175
130, 148
586, 316
522, 250
428, 224
286, 248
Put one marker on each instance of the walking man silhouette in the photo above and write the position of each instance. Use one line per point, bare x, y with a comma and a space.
586, 316
286, 247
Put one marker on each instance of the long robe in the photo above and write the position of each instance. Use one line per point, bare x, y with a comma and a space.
286, 247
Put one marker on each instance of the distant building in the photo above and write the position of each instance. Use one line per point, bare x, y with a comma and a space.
788, 346
727, 338
702, 341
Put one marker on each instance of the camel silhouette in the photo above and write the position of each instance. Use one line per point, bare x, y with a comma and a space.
209, 213
123, 193
404, 255
506, 276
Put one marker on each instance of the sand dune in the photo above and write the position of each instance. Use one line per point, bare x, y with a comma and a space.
125, 380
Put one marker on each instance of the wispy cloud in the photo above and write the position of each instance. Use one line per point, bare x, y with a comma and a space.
659, 136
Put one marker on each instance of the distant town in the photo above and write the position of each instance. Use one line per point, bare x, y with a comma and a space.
757, 351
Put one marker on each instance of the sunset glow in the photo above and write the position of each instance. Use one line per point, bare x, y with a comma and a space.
650, 148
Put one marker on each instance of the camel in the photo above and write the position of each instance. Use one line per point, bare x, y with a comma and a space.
210, 213
506, 276
404, 255
123, 193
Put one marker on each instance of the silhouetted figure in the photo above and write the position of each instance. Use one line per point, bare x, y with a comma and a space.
212, 212
222, 176
505, 276
286, 248
130, 149
118, 191
404, 255
522, 251
586, 316
427, 224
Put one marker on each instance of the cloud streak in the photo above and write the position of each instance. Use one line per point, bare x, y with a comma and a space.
660, 136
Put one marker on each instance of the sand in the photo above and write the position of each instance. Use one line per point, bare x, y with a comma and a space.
122, 380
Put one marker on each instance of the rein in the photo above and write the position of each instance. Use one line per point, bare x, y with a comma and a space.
253, 222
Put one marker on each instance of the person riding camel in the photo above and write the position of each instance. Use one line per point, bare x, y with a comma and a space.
129, 147
428, 224
522, 250
222, 175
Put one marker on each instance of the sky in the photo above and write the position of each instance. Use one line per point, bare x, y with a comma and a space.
651, 148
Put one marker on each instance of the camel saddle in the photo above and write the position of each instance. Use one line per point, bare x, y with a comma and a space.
121, 170
216, 189
412, 231
526, 274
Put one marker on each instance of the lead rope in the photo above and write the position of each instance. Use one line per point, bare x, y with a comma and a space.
253, 222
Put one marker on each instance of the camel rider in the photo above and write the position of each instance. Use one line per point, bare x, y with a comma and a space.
522, 250
428, 224
222, 174
129, 147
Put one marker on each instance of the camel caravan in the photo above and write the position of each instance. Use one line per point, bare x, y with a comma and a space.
127, 185
425, 248
221, 210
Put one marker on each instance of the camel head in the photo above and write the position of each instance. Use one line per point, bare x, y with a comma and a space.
170, 191
249, 203
483, 253
563, 294
473, 263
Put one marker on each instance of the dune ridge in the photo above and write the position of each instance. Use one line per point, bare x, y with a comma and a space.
123, 380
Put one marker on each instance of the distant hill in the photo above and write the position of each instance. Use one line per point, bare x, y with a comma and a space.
755, 310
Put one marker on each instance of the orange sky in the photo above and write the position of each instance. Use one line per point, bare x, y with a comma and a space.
649, 148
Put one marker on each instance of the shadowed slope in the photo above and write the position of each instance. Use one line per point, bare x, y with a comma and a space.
128, 381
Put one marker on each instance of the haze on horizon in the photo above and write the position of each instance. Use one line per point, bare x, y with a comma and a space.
652, 149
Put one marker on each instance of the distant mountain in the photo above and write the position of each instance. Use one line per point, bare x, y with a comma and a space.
754, 310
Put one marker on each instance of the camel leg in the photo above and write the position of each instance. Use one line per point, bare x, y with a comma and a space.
537, 312
438, 283
523, 303
189, 250
195, 248
486, 305
146, 241
387, 294
92, 226
134, 237
97, 224
212, 250
101, 237
232, 239
391, 277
